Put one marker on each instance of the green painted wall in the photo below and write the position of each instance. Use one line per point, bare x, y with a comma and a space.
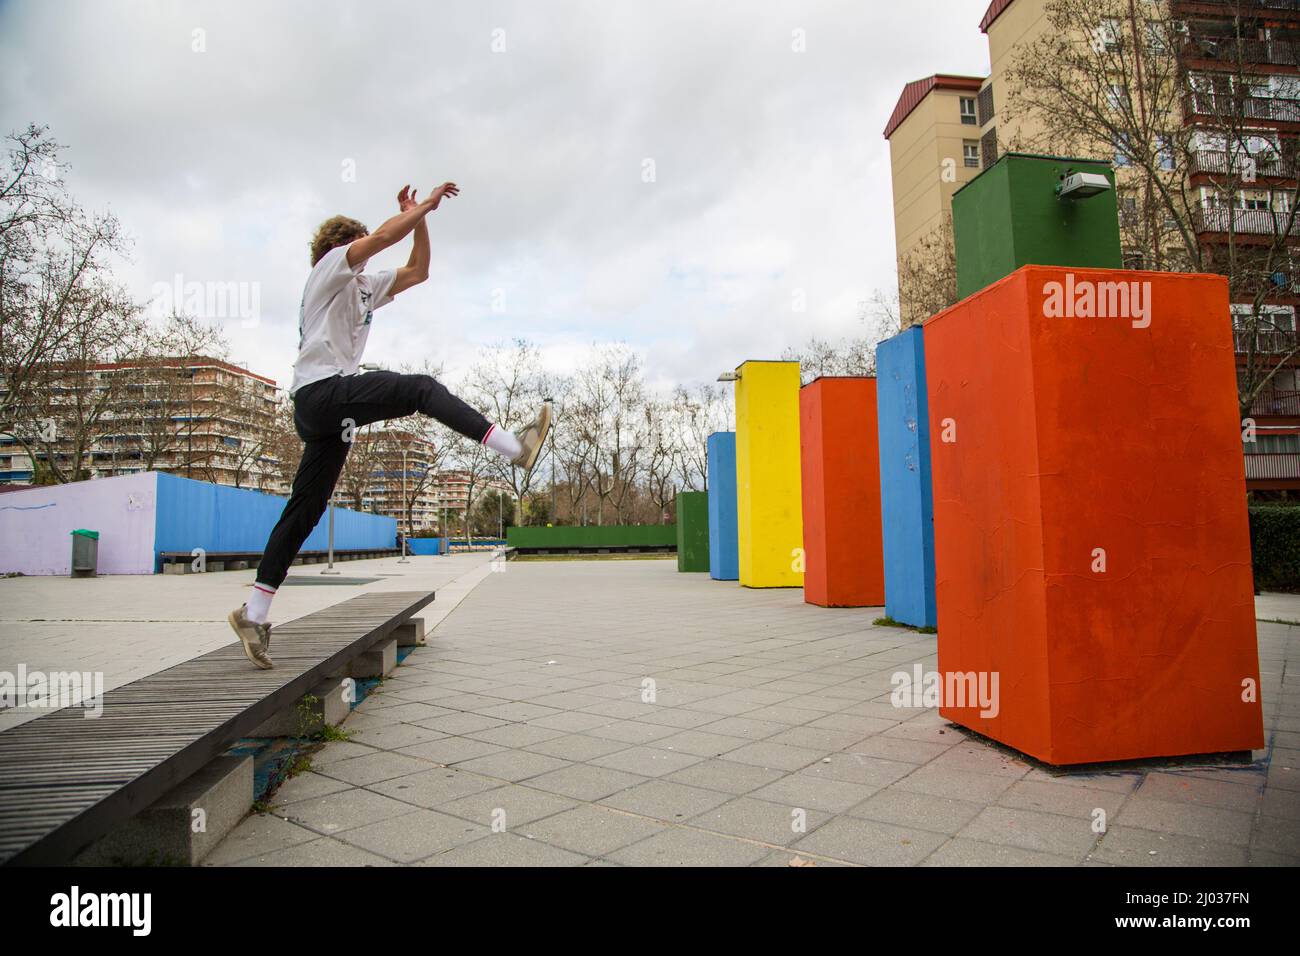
1008, 216
592, 536
692, 531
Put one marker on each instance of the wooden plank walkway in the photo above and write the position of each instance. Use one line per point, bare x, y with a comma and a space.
66, 779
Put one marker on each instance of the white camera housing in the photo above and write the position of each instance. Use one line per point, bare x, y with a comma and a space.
1082, 185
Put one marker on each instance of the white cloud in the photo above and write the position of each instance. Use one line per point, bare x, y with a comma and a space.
771, 171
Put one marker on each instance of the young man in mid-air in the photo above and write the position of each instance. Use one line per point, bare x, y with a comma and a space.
331, 399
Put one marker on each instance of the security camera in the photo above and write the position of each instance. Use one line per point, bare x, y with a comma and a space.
1082, 185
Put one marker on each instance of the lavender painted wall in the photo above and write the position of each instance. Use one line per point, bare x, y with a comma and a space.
36, 524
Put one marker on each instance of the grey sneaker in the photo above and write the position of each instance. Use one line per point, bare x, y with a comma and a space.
256, 638
532, 437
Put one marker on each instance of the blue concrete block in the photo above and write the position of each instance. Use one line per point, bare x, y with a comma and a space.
906, 493
724, 543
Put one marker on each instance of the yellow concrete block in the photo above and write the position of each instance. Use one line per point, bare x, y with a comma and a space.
768, 500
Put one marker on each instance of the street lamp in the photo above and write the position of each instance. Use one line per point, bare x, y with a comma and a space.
402, 559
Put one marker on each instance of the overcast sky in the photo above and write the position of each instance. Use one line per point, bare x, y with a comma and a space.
770, 172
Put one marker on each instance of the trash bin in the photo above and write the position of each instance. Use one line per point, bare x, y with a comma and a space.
85, 553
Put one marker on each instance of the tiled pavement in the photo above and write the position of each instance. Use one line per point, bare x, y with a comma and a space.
605, 713
130, 626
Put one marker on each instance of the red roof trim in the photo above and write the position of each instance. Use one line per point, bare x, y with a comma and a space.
916, 91
995, 10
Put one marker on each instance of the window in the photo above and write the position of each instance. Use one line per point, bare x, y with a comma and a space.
1122, 150
1128, 210
1106, 36
969, 112
1165, 151
970, 153
1117, 97
1157, 41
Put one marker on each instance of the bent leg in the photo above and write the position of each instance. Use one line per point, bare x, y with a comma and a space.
379, 396
322, 462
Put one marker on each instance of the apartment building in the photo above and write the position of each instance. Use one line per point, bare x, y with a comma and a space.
404, 468
1237, 56
196, 416
934, 150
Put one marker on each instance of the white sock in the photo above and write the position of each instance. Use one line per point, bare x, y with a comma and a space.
259, 602
504, 443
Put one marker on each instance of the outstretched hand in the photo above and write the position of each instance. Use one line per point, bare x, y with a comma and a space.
435, 197
406, 199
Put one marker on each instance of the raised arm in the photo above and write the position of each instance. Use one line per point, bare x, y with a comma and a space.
416, 269
400, 226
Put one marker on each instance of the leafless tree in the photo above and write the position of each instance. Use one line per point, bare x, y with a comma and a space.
60, 309
1202, 185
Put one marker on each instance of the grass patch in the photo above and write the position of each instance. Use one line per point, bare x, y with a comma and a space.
890, 622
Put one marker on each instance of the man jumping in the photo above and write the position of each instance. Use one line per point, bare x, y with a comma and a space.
331, 400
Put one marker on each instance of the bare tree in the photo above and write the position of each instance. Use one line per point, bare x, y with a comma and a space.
1202, 185
927, 275
60, 310
696, 414
612, 394
509, 384
663, 456
157, 385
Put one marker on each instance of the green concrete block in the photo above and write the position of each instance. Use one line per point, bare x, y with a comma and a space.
692, 531
1010, 216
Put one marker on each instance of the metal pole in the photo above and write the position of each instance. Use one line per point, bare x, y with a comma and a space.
402, 559
329, 568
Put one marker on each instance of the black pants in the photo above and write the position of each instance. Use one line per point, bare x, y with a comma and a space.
326, 414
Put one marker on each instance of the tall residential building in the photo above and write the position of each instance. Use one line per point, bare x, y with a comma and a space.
934, 150
196, 416
404, 468
944, 118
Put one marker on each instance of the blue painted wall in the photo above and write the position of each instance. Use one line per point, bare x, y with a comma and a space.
724, 543
417, 545
196, 514
906, 493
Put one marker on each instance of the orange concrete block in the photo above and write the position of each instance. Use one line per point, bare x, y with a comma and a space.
840, 464
1091, 542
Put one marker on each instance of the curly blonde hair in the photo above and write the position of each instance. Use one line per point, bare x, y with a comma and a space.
334, 232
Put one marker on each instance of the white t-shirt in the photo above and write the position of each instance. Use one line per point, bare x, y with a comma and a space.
334, 319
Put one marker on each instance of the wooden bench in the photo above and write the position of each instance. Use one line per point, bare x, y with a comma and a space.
66, 779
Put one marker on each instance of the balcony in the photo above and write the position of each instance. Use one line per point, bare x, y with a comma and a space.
1267, 341
1276, 403
1229, 8
1242, 50
1273, 466
1217, 162
1231, 109
1244, 222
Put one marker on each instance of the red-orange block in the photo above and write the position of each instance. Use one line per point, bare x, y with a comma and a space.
1092, 552
840, 464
